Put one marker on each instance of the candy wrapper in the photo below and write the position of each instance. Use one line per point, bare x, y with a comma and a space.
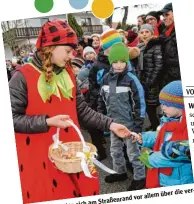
135, 137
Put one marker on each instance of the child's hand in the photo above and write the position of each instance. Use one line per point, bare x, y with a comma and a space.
136, 137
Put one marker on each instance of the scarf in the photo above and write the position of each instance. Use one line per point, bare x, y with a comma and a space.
61, 83
179, 132
156, 32
169, 30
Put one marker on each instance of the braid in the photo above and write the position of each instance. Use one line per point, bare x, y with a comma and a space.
45, 55
46, 62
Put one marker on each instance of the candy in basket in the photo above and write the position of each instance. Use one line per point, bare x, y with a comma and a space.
74, 157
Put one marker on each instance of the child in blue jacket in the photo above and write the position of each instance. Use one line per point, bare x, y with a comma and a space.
168, 159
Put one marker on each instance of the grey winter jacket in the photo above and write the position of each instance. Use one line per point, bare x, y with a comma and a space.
123, 97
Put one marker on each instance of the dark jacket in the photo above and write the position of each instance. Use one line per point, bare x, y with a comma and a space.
171, 58
97, 71
124, 98
152, 70
37, 124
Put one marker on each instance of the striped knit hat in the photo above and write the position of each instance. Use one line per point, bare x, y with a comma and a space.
78, 62
109, 37
172, 95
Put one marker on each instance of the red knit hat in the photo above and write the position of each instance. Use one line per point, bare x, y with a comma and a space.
56, 32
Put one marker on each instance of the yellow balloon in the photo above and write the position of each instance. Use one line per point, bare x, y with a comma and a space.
102, 8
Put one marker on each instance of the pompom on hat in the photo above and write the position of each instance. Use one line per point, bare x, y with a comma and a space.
56, 32
110, 37
172, 95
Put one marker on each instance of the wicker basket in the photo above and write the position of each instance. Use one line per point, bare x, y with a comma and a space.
69, 165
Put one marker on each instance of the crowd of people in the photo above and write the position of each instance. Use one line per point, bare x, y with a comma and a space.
16, 62
108, 83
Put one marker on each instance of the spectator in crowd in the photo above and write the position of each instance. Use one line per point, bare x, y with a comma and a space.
140, 20
171, 58
150, 70
153, 19
96, 42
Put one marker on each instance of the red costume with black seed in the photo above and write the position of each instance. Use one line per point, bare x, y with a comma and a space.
40, 180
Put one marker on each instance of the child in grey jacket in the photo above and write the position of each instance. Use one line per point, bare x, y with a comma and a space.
123, 97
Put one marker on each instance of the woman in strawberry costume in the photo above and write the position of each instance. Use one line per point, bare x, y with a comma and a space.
44, 95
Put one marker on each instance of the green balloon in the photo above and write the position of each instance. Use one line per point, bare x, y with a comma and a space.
43, 6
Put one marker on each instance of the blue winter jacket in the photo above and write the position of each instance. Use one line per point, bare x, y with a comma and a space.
182, 169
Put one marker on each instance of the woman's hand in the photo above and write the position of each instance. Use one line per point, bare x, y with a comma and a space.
120, 130
59, 121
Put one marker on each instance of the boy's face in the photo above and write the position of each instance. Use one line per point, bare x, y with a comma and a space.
171, 112
145, 35
119, 66
90, 56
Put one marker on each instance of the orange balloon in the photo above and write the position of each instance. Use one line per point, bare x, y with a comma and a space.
102, 8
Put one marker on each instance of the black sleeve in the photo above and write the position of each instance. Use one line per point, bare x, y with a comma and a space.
172, 59
90, 118
93, 86
24, 123
158, 66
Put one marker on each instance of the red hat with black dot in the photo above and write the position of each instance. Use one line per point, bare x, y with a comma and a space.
56, 32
